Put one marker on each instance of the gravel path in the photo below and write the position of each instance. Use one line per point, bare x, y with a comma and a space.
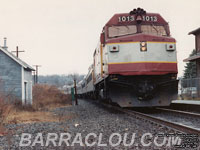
86, 118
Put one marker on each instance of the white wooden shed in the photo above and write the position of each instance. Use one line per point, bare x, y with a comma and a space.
15, 76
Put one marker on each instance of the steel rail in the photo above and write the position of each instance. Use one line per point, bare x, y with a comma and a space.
180, 112
178, 127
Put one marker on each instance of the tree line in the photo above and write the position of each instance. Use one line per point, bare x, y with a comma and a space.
59, 80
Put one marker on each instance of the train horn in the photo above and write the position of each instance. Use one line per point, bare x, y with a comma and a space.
138, 11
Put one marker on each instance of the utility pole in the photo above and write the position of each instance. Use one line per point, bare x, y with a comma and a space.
17, 51
36, 76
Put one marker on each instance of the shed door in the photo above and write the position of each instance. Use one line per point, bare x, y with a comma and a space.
25, 92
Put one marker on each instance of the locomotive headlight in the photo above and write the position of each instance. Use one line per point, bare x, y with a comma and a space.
143, 49
143, 43
143, 46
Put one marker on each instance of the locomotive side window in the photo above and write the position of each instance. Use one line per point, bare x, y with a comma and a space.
153, 30
89, 78
115, 31
83, 85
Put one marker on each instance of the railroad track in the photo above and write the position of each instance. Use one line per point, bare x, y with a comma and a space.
159, 121
180, 112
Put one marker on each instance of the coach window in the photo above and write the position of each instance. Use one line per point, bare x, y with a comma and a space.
89, 78
153, 30
115, 31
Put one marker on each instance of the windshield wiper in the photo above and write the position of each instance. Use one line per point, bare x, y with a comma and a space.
154, 27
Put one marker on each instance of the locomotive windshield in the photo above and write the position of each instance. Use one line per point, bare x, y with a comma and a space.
153, 30
116, 31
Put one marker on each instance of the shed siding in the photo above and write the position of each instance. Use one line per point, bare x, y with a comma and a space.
10, 76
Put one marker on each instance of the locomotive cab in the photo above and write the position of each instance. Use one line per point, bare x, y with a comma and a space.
135, 63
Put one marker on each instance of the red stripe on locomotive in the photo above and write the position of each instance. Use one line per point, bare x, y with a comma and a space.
142, 68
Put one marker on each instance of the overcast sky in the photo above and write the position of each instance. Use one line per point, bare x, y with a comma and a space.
61, 35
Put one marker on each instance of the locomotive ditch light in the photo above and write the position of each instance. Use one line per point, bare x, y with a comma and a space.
170, 47
173, 76
114, 48
143, 46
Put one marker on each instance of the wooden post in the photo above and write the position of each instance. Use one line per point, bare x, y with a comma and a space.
36, 77
76, 101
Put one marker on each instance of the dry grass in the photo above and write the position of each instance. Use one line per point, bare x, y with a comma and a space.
44, 98
5, 108
33, 117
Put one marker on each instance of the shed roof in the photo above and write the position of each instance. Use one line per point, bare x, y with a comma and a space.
16, 59
195, 31
192, 58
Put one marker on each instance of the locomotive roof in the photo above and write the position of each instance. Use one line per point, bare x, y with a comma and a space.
115, 19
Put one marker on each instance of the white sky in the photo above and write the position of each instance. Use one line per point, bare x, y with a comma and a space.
61, 35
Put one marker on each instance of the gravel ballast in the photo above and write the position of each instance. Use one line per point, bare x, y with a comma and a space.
92, 121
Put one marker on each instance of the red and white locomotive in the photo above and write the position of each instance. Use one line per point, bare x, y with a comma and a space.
135, 63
